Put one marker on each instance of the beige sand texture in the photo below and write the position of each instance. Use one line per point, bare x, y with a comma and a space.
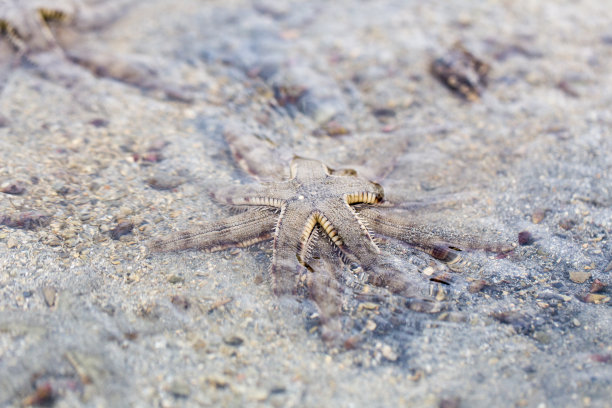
92, 168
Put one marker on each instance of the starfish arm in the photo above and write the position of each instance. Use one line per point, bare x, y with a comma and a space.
259, 195
361, 191
253, 155
240, 230
344, 227
11, 32
307, 170
292, 240
324, 287
440, 242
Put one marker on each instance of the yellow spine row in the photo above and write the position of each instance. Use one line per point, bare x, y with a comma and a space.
329, 229
49, 14
265, 201
362, 197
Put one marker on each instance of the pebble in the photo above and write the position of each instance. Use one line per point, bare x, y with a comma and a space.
567, 223
542, 337
596, 298
579, 276
388, 353
258, 395
176, 279
180, 302
233, 340
597, 286
538, 216
428, 271
525, 238
163, 181
461, 72
15, 187
4, 121
454, 402
368, 306
11, 243
49, 294
99, 122
123, 227
179, 388
370, 325
477, 286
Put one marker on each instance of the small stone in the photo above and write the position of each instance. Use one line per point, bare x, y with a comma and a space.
370, 325
388, 353
542, 337
49, 294
162, 181
60, 188
181, 302
596, 298
597, 286
52, 240
576, 322
11, 243
179, 388
15, 187
525, 238
174, 279
522, 323
428, 271
477, 286
258, 394
579, 276
538, 216
461, 72
567, 223
99, 122
218, 381
335, 128
123, 227
454, 402
4, 121
367, 306
233, 341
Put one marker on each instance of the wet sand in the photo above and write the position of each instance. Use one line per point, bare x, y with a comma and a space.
87, 314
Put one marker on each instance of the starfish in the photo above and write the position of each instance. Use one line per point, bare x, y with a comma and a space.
45, 34
317, 200
289, 211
